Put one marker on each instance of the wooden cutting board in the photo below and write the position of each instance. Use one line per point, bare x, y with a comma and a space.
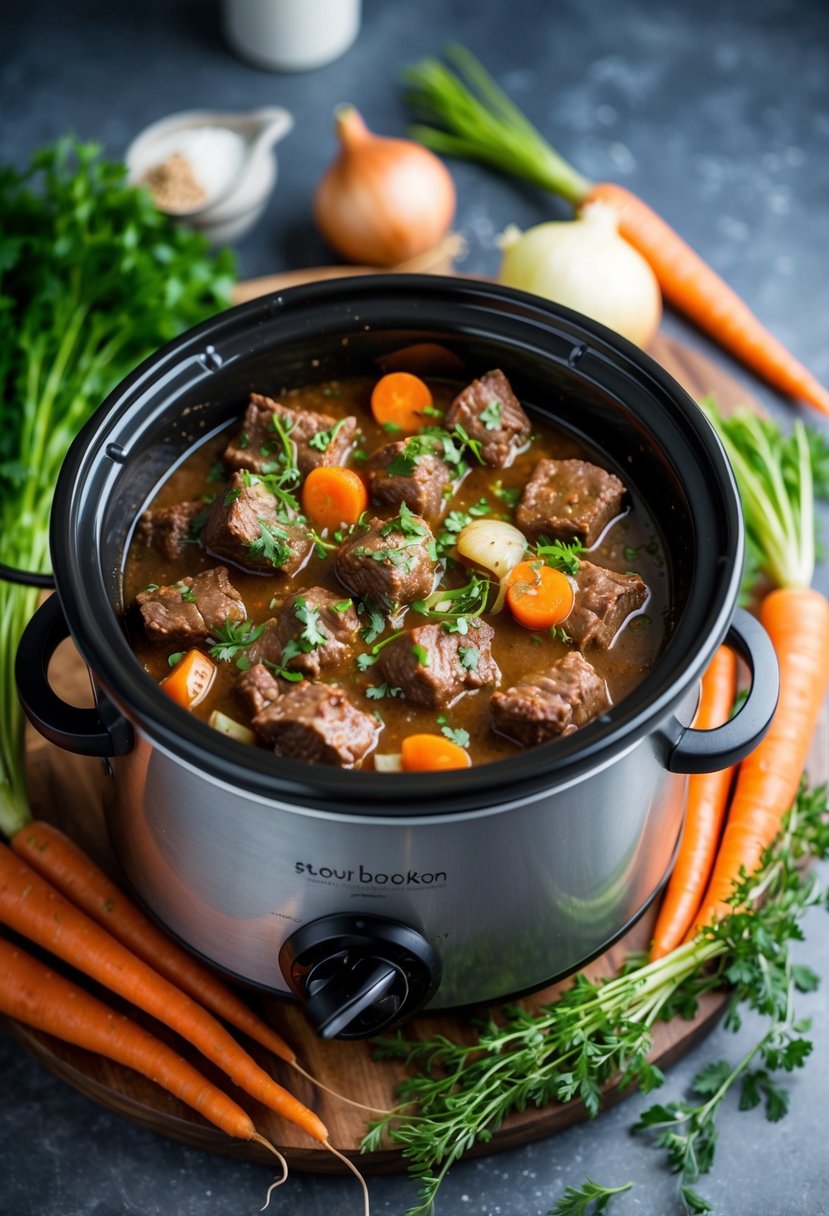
69, 791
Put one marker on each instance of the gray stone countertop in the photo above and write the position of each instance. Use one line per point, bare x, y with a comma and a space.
717, 112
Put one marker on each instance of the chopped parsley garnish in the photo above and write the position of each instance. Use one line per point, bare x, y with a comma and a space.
456, 609
308, 616
231, 640
244, 440
407, 523
559, 634
293, 676
507, 494
376, 692
323, 439
217, 472
376, 620
455, 522
458, 735
175, 658
364, 661
560, 555
451, 446
491, 416
469, 657
342, 606
231, 496
270, 544
196, 524
186, 592
421, 654
150, 588
288, 508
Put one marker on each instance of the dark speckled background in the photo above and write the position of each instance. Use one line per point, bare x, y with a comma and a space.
718, 113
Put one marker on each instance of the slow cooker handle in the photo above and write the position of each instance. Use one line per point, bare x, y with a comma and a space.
89, 732
707, 751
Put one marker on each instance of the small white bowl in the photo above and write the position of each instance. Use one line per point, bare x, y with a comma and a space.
229, 214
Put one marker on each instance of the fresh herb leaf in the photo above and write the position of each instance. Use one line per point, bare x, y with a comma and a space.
323, 439
470, 656
342, 606
560, 555
376, 620
461, 603
421, 654
175, 658
186, 592
232, 638
509, 495
460, 735
491, 416
577, 1201
285, 673
308, 616
270, 544
406, 523
455, 522
376, 692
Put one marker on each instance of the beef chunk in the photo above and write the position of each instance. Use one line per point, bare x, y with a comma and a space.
433, 667
491, 413
569, 499
258, 687
191, 608
257, 445
421, 489
390, 562
311, 633
603, 602
248, 526
555, 703
317, 723
167, 529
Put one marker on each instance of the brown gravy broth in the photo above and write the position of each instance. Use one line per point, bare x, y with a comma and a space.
629, 544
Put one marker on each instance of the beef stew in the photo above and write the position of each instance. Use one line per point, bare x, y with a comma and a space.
333, 646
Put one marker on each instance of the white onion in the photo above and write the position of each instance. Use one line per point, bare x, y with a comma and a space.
492, 544
586, 265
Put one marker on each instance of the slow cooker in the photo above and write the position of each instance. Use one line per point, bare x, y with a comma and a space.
367, 895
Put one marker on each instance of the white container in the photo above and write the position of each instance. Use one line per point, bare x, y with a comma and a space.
290, 35
228, 215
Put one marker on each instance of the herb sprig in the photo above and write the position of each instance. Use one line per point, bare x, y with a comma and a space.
93, 279
459, 608
597, 1033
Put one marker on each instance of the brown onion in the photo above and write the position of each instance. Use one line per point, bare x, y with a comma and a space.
382, 201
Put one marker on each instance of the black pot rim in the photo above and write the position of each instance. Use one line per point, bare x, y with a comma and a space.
97, 632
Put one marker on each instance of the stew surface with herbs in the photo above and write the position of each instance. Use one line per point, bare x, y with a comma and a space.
395, 574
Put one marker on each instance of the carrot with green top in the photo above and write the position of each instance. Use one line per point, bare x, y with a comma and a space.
774, 475
467, 115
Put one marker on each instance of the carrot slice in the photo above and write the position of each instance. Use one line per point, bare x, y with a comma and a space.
333, 496
190, 680
431, 753
400, 399
539, 596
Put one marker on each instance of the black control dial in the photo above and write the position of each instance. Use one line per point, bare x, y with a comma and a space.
358, 975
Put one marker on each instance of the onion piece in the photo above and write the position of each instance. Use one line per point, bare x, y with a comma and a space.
492, 544
228, 726
390, 763
382, 201
587, 265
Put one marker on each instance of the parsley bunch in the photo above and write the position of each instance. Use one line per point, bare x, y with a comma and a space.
93, 279
594, 1034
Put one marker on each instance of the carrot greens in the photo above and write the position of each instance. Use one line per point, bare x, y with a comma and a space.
92, 280
594, 1034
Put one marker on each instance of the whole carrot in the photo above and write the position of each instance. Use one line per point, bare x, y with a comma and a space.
32, 993
693, 288
704, 815
34, 909
797, 621
59, 860
774, 475
478, 121
63, 864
